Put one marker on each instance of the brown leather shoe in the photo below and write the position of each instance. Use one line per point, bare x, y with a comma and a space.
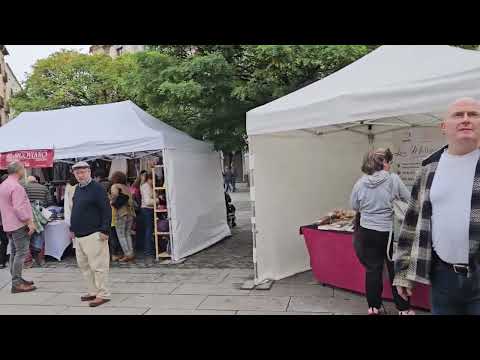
22, 288
88, 297
27, 282
127, 259
98, 302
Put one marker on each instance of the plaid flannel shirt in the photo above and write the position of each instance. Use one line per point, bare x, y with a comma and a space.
413, 256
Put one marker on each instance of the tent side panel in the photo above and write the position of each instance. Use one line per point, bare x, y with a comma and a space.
298, 177
197, 201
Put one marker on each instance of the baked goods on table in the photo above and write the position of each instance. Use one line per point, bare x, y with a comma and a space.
336, 216
338, 219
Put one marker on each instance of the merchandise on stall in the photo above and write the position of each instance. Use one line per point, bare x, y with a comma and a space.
122, 130
337, 220
162, 231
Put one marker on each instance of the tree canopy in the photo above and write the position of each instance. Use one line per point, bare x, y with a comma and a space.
204, 90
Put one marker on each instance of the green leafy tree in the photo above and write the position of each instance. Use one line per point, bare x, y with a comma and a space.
68, 78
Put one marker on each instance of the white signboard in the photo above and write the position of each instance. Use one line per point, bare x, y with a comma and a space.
411, 147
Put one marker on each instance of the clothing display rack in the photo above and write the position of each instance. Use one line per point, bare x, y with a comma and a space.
161, 213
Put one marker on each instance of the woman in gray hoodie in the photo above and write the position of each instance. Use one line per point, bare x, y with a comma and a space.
372, 196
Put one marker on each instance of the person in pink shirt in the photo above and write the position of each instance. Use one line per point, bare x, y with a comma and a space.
17, 221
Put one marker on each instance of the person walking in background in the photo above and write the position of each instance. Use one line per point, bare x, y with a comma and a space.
148, 218
101, 178
113, 243
68, 197
3, 238
39, 197
68, 202
234, 178
121, 200
17, 221
227, 179
90, 223
439, 243
373, 196
135, 188
137, 203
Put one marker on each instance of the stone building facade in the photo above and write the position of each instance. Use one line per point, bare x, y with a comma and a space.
4, 110
115, 50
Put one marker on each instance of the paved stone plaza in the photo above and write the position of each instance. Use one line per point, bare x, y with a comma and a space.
206, 283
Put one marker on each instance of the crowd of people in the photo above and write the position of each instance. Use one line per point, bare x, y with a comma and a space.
438, 244
102, 214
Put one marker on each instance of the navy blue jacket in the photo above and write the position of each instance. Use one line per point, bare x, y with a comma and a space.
91, 210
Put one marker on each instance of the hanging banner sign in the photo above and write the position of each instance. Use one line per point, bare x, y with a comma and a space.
411, 148
29, 158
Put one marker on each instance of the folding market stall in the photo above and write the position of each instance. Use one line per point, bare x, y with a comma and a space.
193, 177
306, 147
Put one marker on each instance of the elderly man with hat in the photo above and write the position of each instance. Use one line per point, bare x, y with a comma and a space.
90, 224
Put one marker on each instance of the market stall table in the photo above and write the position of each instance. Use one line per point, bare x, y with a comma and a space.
57, 238
334, 262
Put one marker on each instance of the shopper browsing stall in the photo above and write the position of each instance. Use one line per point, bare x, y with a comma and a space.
147, 219
39, 197
122, 202
3, 239
372, 197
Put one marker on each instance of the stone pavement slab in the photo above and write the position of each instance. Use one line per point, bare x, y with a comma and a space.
58, 286
31, 310
198, 278
73, 299
289, 289
241, 312
305, 278
257, 303
327, 305
143, 288
188, 312
210, 289
163, 302
4, 278
30, 298
141, 278
104, 310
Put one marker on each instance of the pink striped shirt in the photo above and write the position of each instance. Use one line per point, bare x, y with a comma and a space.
15, 207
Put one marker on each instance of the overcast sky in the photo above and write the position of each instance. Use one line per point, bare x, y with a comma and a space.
22, 57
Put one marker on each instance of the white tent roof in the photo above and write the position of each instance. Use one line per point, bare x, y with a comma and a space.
392, 81
94, 130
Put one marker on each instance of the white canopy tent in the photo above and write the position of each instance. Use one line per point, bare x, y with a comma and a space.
306, 147
193, 174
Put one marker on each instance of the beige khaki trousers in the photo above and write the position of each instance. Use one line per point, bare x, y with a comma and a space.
93, 259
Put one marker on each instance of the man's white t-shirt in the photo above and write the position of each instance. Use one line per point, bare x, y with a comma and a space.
451, 196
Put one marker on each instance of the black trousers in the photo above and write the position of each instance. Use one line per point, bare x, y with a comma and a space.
3, 247
371, 249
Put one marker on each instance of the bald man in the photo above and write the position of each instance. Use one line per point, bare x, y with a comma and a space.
440, 237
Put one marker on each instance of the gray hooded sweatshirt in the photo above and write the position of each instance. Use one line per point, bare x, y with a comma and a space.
373, 195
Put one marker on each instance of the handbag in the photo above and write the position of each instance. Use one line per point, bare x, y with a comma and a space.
121, 200
47, 214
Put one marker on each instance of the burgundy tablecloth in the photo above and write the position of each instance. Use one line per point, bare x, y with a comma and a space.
334, 263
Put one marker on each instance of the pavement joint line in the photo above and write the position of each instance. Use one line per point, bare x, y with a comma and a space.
226, 276
288, 305
148, 309
180, 284
206, 297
